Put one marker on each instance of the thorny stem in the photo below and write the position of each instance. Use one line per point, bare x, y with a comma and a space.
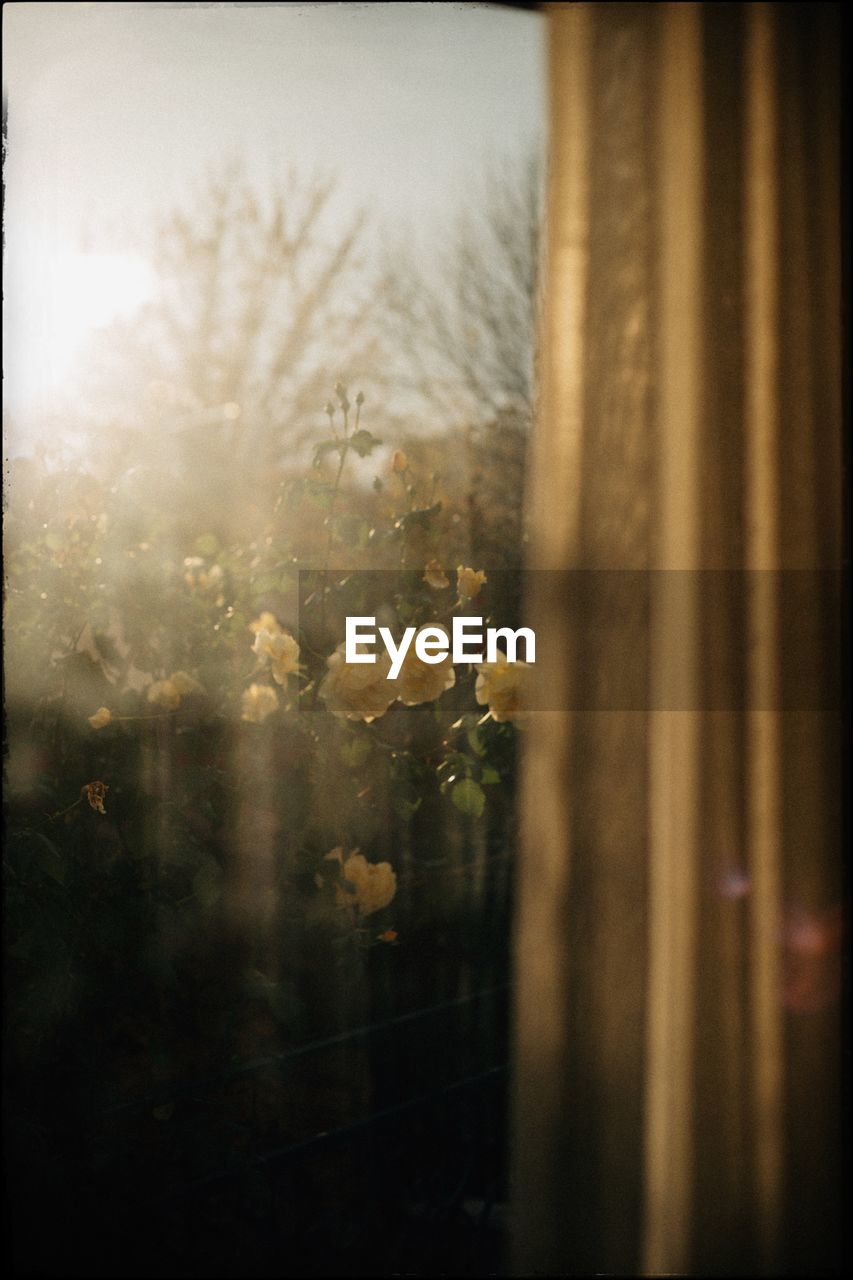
159, 715
344, 449
53, 817
408, 491
78, 637
329, 518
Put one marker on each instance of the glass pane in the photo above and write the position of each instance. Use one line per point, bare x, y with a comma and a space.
271, 279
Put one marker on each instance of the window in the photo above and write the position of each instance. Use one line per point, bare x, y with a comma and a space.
272, 281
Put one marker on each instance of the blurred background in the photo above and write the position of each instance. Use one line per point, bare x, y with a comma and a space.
311, 972
271, 279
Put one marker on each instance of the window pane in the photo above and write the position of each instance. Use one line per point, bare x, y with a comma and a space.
271, 280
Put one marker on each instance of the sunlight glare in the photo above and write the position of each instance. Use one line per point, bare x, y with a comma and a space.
74, 295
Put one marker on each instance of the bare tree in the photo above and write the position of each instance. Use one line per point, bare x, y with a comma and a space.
462, 329
263, 300
464, 325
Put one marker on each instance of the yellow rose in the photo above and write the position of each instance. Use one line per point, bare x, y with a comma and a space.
266, 622
356, 690
420, 681
282, 651
168, 693
504, 687
368, 886
185, 684
434, 576
95, 793
259, 701
205, 580
165, 693
101, 718
469, 582
191, 565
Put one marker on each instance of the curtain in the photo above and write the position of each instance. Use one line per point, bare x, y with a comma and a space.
678, 1095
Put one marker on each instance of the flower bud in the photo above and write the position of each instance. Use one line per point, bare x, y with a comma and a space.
469, 582
341, 393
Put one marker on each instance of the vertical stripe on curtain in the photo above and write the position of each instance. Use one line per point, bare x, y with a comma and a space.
678, 1090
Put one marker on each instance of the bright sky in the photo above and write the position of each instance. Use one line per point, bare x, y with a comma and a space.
114, 109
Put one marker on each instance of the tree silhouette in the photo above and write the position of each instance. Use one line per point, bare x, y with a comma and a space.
464, 328
263, 298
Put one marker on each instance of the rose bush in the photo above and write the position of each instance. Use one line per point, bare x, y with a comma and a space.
187, 742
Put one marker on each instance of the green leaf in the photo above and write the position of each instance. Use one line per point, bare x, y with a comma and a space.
489, 776
206, 545
475, 742
265, 583
419, 518
355, 752
364, 442
327, 446
468, 721
468, 797
405, 807
363, 536
351, 530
